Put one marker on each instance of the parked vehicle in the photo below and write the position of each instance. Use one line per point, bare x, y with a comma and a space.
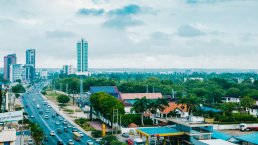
244, 127
125, 135
74, 129
38, 106
81, 133
76, 136
30, 142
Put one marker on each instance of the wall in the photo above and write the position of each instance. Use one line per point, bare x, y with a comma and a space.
231, 126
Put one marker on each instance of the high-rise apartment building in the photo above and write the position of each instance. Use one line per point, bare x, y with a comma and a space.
8, 60
30, 64
82, 56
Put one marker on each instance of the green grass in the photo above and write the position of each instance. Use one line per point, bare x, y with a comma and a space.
70, 111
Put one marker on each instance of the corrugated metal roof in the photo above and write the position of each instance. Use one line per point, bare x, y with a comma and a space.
220, 135
251, 138
132, 96
106, 89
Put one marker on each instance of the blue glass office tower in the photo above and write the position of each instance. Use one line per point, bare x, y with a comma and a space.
82, 56
30, 64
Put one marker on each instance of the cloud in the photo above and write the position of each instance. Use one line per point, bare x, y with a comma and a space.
131, 9
59, 34
121, 22
189, 31
93, 12
204, 1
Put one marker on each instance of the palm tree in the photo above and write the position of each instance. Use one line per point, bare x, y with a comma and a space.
159, 104
192, 103
140, 106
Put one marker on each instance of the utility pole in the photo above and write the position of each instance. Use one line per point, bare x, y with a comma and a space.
66, 89
153, 89
147, 89
115, 112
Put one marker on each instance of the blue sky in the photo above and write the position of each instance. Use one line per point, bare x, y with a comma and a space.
133, 34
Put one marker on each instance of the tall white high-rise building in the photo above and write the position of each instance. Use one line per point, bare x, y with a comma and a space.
15, 72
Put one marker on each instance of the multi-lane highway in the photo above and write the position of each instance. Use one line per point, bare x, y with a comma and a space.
37, 109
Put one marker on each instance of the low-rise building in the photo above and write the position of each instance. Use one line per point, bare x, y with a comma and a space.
178, 109
231, 99
8, 137
112, 90
130, 98
253, 111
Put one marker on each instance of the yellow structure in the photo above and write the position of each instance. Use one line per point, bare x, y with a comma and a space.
166, 132
103, 130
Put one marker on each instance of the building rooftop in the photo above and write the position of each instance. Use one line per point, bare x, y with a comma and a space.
132, 96
186, 122
172, 106
216, 142
106, 89
250, 138
159, 131
220, 135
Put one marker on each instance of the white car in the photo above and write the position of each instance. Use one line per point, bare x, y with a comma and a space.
70, 142
52, 133
90, 142
57, 123
80, 133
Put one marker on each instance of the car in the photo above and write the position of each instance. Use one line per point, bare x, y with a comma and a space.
60, 142
57, 123
74, 129
60, 118
33, 100
53, 116
47, 111
26, 105
45, 102
59, 130
65, 122
46, 117
89, 142
69, 126
70, 142
80, 133
99, 140
48, 106
30, 142
40, 112
125, 135
32, 116
65, 129
52, 133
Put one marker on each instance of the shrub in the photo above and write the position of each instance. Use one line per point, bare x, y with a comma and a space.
96, 133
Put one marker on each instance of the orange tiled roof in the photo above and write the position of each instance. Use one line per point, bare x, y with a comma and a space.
172, 106
132, 96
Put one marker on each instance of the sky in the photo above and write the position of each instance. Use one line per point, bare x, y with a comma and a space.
133, 33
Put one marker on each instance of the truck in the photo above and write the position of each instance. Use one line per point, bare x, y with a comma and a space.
244, 127
38, 106
76, 136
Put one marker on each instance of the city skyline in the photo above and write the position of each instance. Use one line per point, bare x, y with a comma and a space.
135, 34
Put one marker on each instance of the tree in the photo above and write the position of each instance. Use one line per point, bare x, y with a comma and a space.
106, 140
233, 92
159, 104
227, 108
192, 103
105, 104
247, 102
140, 106
18, 89
62, 99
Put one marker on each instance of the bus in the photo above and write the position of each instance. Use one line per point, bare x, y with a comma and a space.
76, 136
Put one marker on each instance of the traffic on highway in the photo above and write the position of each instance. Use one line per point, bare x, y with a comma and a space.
57, 130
